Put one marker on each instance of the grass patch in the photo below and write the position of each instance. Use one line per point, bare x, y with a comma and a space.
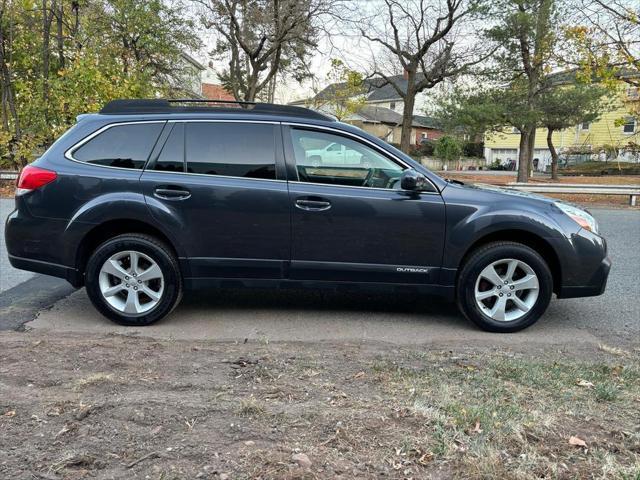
250, 407
94, 379
504, 417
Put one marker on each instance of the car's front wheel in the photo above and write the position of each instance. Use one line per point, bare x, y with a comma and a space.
133, 279
504, 287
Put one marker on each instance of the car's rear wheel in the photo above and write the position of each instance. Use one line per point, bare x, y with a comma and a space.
133, 279
504, 287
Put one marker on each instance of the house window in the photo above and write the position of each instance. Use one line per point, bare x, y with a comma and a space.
632, 93
392, 105
629, 125
585, 126
515, 130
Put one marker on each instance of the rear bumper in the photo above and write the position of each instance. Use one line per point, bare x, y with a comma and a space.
40, 245
70, 274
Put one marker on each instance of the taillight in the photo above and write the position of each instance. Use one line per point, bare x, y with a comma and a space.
32, 178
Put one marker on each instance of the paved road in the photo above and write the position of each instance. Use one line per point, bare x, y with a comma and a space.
295, 315
9, 277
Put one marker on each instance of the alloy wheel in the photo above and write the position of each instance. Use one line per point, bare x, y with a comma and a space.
131, 282
506, 289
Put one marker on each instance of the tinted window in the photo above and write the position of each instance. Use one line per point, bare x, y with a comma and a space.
124, 146
333, 159
231, 149
171, 158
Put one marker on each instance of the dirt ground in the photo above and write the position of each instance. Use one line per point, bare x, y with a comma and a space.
118, 406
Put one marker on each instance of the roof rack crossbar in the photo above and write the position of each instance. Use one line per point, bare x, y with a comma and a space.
151, 106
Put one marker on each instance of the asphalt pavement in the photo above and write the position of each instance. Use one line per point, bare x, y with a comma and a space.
337, 316
9, 277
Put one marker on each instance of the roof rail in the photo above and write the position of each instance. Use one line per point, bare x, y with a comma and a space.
189, 105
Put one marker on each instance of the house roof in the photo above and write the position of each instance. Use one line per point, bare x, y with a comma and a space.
566, 77
426, 121
375, 89
374, 114
192, 61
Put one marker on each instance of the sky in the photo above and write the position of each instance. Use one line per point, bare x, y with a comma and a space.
349, 48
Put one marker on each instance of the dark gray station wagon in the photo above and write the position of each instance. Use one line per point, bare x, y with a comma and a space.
150, 197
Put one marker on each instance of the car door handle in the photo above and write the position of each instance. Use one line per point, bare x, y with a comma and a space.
313, 205
170, 192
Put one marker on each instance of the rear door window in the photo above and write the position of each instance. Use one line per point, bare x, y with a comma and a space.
231, 149
123, 146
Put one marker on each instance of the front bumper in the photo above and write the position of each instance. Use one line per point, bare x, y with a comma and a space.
585, 266
594, 287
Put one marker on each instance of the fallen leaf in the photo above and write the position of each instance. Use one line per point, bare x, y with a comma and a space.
613, 350
10, 413
577, 441
584, 383
477, 428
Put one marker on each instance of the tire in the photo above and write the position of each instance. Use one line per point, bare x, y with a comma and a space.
163, 284
505, 307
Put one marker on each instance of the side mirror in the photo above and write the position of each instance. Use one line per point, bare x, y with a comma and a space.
412, 180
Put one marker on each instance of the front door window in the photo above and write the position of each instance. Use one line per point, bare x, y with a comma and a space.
336, 160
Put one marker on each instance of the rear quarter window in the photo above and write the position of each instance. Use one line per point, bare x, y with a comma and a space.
123, 146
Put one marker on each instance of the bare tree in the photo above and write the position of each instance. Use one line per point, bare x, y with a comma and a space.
423, 39
261, 38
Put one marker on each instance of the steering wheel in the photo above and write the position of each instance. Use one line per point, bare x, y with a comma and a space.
394, 184
368, 178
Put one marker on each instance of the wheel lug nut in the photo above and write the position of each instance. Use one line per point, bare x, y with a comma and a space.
511, 287
135, 288
140, 281
506, 282
127, 285
499, 287
502, 294
508, 294
126, 278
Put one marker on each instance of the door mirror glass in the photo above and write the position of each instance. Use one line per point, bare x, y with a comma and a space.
412, 180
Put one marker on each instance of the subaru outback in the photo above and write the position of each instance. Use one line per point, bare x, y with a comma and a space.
151, 197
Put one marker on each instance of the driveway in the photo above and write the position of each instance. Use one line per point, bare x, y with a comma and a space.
341, 316
9, 277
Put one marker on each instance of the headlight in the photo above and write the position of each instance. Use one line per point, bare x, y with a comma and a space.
582, 218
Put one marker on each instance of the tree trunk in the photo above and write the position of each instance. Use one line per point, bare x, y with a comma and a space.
46, 54
407, 115
554, 154
8, 93
527, 137
60, 35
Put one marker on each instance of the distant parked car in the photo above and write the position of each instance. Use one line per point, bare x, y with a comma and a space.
149, 198
333, 154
